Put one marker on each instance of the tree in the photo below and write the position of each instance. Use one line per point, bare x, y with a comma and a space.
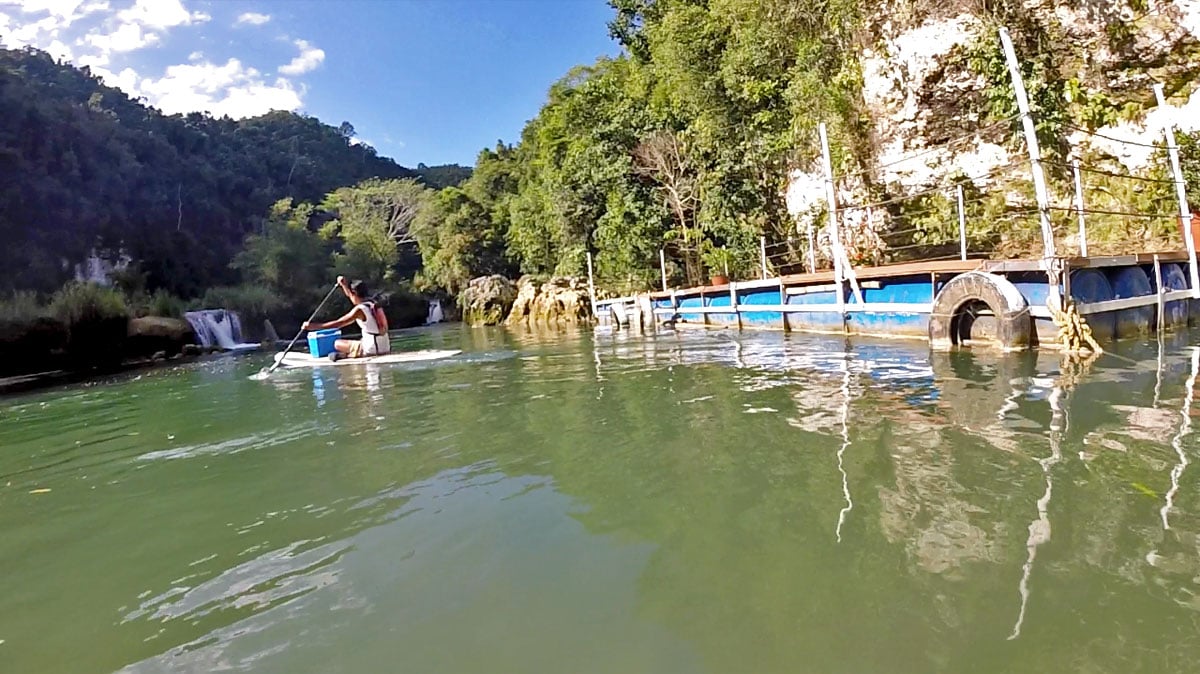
288, 257
664, 158
374, 221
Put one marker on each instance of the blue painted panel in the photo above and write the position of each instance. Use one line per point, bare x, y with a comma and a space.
911, 291
722, 300
686, 302
1090, 285
831, 320
1131, 282
749, 298
910, 325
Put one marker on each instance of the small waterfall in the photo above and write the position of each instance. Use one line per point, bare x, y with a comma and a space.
218, 327
435, 313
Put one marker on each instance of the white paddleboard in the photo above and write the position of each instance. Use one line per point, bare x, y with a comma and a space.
300, 359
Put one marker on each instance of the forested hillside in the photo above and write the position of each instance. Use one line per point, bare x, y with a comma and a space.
84, 169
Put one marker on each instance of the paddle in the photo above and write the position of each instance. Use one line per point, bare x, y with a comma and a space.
263, 374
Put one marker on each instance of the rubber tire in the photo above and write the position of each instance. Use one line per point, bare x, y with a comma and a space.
1014, 324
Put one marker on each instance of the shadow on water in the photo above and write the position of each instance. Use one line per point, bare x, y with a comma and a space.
569, 501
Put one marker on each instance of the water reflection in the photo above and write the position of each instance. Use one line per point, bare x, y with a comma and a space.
608, 502
1039, 529
1185, 427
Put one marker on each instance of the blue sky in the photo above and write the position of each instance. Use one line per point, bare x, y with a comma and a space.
430, 81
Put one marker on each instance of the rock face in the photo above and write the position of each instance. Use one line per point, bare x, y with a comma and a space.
933, 75
559, 300
487, 300
152, 334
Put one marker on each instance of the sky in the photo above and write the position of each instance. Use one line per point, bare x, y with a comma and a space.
422, 81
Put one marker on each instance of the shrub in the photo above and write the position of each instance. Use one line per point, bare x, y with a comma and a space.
96, 320
30, 337
163, 303
20, 308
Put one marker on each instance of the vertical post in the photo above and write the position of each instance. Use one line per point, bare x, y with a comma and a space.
962, 226
834, 237
1158, 285
842, 269
762, 255
1079, 208
1031, 141
1185, 211
591, 284
662, 265
812, 250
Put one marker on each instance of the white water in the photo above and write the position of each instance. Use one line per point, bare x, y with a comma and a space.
218, 327
435, 313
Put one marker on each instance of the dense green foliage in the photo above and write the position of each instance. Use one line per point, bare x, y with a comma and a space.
683, 144
84, 169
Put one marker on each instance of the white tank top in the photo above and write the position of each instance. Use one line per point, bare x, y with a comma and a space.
369, 326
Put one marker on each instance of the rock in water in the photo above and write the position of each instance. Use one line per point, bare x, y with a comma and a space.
151, 334
560, 300
487, 300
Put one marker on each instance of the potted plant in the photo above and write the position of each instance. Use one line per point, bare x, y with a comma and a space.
718, 261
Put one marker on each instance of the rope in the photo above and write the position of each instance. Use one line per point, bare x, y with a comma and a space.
1073, 330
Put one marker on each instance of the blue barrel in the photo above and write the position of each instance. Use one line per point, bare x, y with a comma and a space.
1175, 313
1130, 282
1090, 285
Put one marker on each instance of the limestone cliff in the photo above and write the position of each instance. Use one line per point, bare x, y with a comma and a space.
938, 97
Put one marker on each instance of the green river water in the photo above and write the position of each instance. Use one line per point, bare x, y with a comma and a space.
578, 503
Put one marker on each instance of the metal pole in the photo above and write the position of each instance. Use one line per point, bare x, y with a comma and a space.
762, 255
812, 250
662, 265
1185, 211
1031, 141
841, 263
962, 225
1158, 284
591, 284
1079, 207
831, 199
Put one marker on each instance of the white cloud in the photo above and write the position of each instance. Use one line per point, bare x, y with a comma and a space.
59, 51
126, 80
93, 61
229, 89
161, 14
310, 57
38, 33
127, 37
253, 19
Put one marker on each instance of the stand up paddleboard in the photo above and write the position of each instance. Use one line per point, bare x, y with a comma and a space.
297, 359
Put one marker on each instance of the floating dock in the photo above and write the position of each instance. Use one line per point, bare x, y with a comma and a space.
950, 303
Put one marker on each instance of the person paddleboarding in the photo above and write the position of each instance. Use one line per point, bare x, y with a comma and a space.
370, 318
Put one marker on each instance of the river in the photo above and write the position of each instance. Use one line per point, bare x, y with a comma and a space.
692, 502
